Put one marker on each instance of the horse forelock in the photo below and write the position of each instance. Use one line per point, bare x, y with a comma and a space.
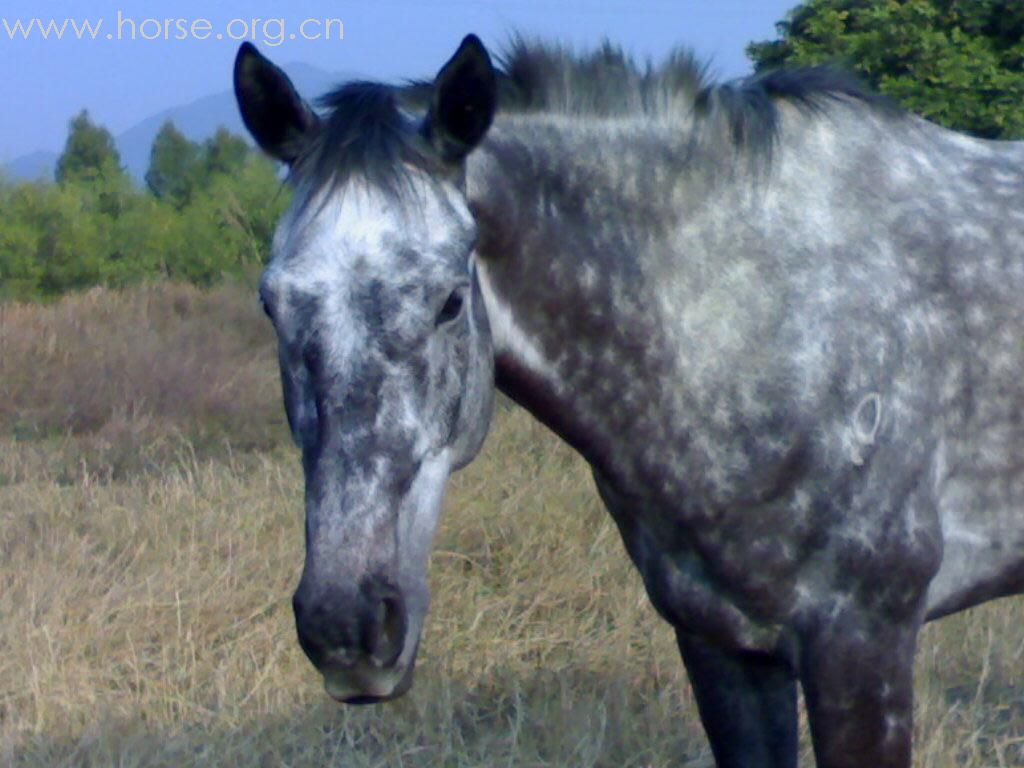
365, 137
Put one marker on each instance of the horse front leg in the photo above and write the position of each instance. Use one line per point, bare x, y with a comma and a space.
856, 670
747, 704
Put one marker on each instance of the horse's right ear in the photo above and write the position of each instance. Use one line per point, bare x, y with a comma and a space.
276, 116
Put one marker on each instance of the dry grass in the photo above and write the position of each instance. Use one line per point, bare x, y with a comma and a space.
145, 618
141, 375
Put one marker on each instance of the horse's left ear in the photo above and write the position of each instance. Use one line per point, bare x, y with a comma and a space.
464, 101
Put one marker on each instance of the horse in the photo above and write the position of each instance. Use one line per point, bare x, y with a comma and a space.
780, 318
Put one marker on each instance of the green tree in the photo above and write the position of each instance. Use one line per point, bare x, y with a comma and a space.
90, 160
175, 166
957, 62
95, 227
252, 200
227, 225
64, 238
144, 240
19, 240
225, 153
89, 152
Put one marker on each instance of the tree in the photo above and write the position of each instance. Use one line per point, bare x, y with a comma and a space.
19, 241
959, 63
225, 153
175, 166
253, 199
228, 224
212, 213
90, 161
89, 152
63, 240
144, 240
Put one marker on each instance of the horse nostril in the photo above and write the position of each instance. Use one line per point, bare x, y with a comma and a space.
385, 623
393, 628
340, 627
324, 625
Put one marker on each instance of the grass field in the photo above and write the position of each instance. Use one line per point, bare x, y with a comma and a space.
151, 536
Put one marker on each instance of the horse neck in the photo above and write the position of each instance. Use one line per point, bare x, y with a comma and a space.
564, 290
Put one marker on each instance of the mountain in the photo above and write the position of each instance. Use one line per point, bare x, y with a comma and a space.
198, 121
38, 165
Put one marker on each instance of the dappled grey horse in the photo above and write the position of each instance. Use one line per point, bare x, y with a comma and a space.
782, 321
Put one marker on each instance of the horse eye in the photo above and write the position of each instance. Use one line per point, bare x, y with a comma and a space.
452, 307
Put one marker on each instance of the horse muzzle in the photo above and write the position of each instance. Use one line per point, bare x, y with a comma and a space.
359, 639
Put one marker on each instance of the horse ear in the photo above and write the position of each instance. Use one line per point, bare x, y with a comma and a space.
464, 101
276, 116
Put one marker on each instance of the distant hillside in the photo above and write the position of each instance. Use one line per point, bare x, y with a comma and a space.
198, 120
36, 165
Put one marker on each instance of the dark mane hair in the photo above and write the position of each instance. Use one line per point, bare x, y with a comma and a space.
363, 132
373, 129
607, 82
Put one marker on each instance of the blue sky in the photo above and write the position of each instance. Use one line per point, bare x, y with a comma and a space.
123, 81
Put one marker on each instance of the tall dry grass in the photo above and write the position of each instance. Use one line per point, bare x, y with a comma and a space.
144, 604
141, 375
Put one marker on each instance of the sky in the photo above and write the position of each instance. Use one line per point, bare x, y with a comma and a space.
122, 80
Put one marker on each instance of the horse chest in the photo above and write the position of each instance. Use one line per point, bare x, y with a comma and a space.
699, 574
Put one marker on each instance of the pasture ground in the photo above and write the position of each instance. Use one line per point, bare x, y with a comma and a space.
151, 536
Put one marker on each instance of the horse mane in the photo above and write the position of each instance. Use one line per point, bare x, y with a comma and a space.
607, 82
604, 82
371, 129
